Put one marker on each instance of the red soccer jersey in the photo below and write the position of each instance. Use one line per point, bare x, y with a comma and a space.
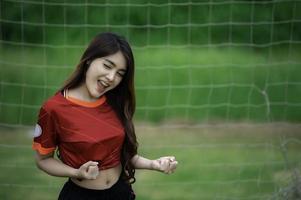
81, 131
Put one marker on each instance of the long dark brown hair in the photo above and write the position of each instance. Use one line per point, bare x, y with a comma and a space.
121, 98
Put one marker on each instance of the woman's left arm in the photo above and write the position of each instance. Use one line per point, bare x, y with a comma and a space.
167, 164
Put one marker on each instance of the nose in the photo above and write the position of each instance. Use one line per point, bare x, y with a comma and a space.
110, 76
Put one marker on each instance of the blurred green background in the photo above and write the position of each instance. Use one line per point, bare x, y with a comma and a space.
196, 61
261, 162
218, 85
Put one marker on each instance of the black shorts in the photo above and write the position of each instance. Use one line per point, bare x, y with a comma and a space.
119, 191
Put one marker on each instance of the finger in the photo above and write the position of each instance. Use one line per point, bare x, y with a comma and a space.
93, 172
168, 157
163, 165
90, 163
166, 166
92, 168
172, 169
172, 158
93, 163
174, 164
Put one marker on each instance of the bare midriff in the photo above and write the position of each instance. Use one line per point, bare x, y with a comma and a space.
105, 179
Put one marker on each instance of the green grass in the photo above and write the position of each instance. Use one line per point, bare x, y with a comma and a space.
192, 84
230, 161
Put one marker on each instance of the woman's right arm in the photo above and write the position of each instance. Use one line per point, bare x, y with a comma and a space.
54, 167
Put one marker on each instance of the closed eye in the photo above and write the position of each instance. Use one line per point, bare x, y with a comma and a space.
120, 74
107, 66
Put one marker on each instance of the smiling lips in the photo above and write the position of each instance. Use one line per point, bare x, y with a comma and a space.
102, 85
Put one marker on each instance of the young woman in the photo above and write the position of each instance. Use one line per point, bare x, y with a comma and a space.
89, 122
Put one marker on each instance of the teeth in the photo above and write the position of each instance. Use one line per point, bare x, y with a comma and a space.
104, 84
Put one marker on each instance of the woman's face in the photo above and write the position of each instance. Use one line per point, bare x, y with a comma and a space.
104, 74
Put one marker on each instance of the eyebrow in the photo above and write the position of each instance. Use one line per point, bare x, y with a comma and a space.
112, 63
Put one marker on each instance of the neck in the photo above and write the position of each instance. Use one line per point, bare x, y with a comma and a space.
81, 92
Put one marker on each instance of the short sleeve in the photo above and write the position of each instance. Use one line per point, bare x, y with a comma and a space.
44, 140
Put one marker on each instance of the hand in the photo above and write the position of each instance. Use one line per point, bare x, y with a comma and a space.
89, 170
167, 164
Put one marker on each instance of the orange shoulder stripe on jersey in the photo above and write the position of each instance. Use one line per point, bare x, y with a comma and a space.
42, 150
